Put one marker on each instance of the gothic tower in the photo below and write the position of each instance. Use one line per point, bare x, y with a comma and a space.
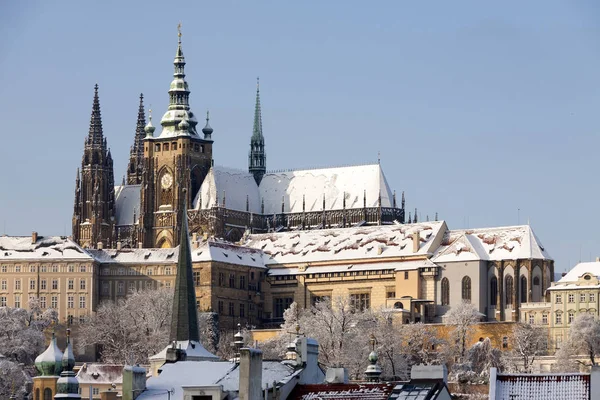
257, 159
177, 159
136, 154
93, 214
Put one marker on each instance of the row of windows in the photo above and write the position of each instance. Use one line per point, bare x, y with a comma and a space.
508, 293
231, 309
131, 286
133, 271
465, 290
43, 301
44, 284
43, 268
232, 281
583, 298
343, 274
198, 148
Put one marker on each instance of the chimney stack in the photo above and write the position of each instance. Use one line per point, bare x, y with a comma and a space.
134, 382
100, 246
119, 245
416, 238
140, 245
108, 395
34, 237
250, 374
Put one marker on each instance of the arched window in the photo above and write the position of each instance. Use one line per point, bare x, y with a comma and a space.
523, 289
37, 394
509, 289
493, 291
398, 305
47, 394
445, 292
536, 281
466, 289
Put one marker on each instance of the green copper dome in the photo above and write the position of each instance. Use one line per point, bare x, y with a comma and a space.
49, 363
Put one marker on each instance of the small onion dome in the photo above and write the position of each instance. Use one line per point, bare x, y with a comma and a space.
207, 130
183, 125
373, 357
68, 359
49, 363
149, 128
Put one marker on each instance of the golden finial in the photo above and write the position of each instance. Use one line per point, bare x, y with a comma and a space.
150, 113
373, 341
179, 30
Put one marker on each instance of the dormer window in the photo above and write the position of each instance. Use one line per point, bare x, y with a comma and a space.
587, 277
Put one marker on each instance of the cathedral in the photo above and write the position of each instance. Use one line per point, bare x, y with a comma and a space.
172, 172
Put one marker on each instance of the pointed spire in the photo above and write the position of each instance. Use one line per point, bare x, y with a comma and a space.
184, 324
257, 130
95, 135
409, 218
415, 220
394, 202
207, 130
138, 144
436, 216
67, 385
403, 202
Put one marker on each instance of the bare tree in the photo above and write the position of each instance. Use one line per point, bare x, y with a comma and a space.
462, 317
583, 343
13, 380
527, 342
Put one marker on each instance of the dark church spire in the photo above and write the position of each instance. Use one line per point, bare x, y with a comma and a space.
257, 159
184, 324
136, 155
95, 135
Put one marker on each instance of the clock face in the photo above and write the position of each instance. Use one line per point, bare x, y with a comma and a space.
166, 181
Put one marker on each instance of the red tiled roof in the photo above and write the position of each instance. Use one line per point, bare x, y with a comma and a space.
343, 391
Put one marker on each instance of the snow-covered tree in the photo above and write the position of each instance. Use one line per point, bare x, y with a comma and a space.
132, 329
528, 342
462, 318
208, 324
583, 342
13, 380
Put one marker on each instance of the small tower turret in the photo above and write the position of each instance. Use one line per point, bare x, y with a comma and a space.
257, 159
136, 154
373, 371
207, 130
67, 386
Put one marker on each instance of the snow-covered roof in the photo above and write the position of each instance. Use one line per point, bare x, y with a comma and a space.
581, 269
373, 242
394, 266
294, 186
228, 253
345, 391
184, 373
45, 248
491, 244
331, 183
136, 256
194, 351
127, 203
100, 374
541, 386
206, 373
272, 371
236, 185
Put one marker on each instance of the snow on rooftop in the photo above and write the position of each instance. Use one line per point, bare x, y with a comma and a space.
272, 371
127, 203
228, 253
581, 269
45, 248
491, 244
236, 185
345, 391
193, 350
330, 183
373, 242
100, 374
394, 266
543, 387
184, 373
136, 256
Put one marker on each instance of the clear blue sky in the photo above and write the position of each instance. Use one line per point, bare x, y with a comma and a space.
478, 108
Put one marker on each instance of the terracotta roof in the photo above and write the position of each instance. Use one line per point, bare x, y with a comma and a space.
343, 391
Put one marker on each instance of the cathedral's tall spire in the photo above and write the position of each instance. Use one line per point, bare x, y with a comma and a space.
184, 324
257, 159
136, 155
95, 135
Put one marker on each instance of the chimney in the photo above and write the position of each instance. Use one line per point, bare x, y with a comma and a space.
100, 246
428, 372
416, 238
250, 374
119, 245
134, 382
336, 375
308, 351
34, 236
140, 245
108, 395
205, 236
597, 259
595, 383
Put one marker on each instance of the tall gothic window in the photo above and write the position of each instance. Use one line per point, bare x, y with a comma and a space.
466, 289
445, 292
509, 289
523, 289
494, 291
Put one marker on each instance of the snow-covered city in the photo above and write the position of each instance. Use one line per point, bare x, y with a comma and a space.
176, 271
